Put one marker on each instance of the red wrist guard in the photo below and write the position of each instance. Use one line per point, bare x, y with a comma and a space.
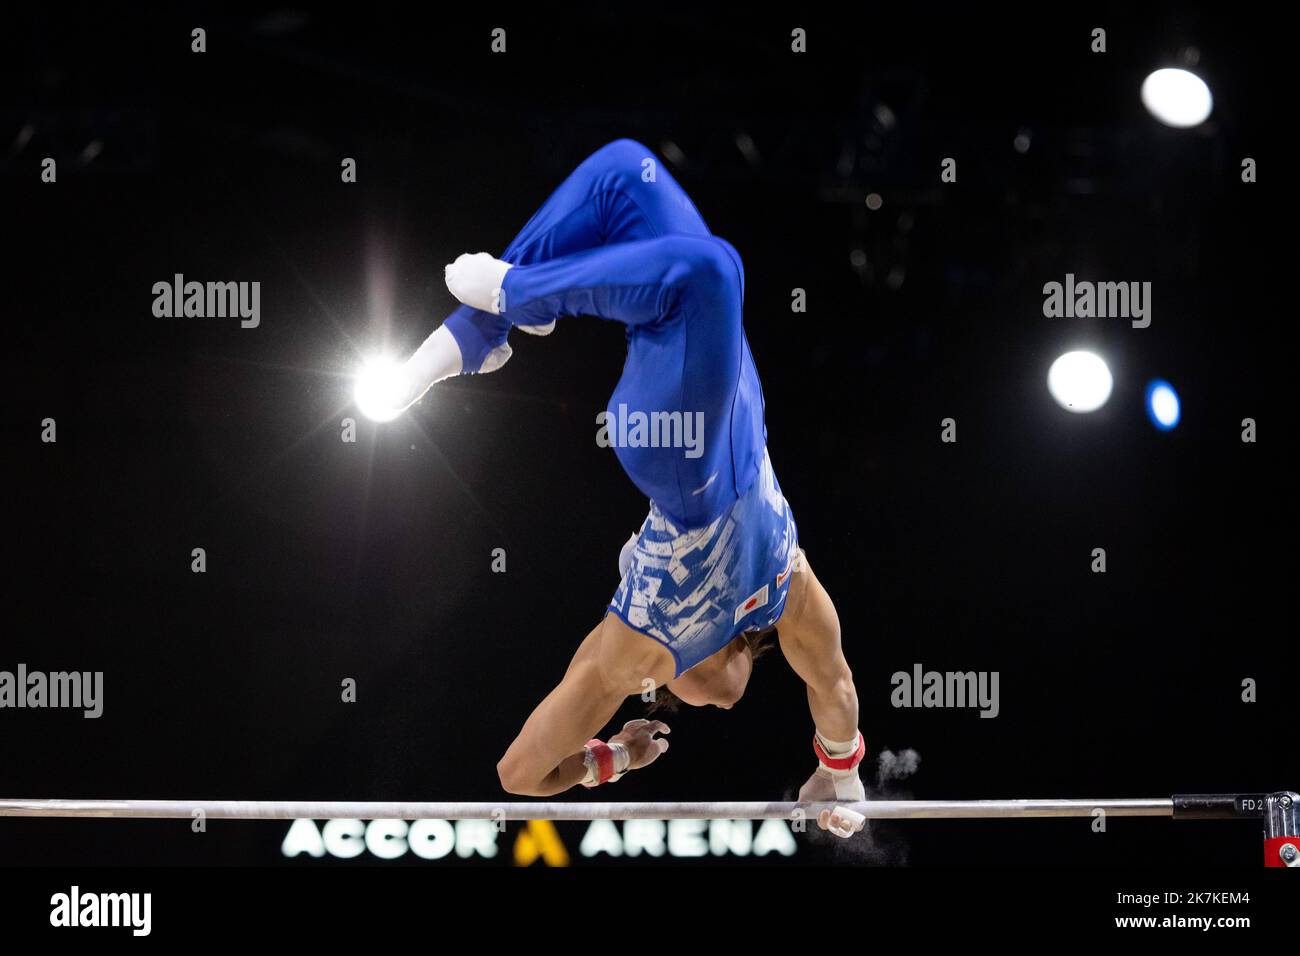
603, 756
840, 763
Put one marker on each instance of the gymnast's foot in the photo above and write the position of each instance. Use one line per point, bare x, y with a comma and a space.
476, 279
386, 389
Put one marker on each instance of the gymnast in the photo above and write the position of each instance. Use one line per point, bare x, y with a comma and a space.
716, 566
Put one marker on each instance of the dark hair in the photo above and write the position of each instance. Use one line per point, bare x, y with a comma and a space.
760, 642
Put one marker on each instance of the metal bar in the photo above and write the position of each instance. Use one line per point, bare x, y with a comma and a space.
1218, 806
734, 810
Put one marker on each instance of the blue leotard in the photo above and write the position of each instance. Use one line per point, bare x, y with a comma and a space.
621, 240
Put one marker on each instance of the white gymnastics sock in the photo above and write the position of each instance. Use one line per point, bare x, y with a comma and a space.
475, 279
383, 390
438, 358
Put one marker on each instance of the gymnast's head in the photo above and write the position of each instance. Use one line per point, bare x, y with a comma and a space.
718, 680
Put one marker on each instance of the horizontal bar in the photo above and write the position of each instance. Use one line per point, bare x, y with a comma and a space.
1218, 806
741, 810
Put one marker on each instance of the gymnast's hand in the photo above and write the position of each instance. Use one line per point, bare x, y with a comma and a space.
638, 736
824, 788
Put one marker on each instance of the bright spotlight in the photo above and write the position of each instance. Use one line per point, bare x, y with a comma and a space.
1079, 381
378, 390
1177, 97
1163, 405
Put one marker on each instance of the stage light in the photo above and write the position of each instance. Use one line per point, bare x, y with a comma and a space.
1177, 98
1079, 381
1163, 405
377, 390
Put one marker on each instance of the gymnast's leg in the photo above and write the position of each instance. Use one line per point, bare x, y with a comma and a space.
614, 196
635, 283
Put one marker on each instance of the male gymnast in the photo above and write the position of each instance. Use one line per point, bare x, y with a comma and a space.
716, 565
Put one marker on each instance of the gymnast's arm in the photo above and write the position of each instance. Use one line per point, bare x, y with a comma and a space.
547, 756
809, 632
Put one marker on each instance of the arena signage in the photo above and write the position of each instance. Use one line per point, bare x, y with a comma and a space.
537, 840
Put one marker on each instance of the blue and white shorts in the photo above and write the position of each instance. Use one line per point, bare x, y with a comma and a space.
694, 591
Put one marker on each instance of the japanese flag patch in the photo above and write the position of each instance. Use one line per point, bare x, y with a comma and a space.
755, 600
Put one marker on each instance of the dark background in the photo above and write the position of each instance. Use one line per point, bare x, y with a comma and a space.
371, 561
